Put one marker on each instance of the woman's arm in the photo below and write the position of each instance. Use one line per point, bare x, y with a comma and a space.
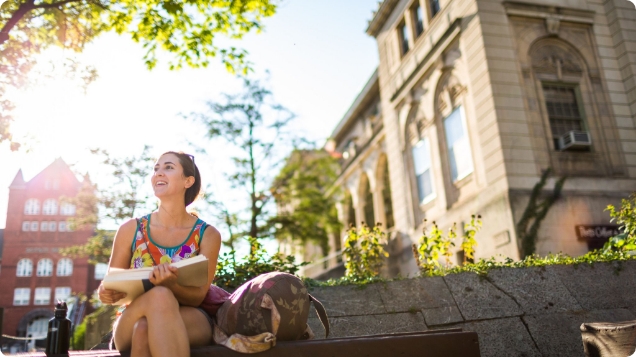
119, 258
166, 275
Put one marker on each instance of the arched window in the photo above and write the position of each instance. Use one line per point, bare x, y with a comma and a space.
45, 267
67, 209
49, 207
32, 206
64, 267
24, 268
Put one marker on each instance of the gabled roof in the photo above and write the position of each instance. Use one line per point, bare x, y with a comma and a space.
371, 88
57, 168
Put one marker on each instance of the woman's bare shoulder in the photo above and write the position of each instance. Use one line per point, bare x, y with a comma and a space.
126, 231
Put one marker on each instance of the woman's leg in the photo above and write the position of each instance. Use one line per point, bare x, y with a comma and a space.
166, 330
139, 339
140, 346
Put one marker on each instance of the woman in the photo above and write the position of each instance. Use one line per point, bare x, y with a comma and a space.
165, 321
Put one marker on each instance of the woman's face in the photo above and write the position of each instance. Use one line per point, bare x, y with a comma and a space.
168, 178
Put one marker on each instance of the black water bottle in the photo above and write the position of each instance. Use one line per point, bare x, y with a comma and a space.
59, 334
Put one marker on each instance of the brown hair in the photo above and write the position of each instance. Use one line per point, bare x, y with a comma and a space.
189, 169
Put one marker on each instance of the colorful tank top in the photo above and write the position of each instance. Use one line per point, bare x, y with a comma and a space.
147, 253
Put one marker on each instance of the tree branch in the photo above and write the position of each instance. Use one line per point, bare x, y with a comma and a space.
54, 4
17, 16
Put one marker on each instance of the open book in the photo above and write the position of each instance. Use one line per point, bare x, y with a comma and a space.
134, 282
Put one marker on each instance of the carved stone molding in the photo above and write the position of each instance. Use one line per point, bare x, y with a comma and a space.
555, 60
552, 24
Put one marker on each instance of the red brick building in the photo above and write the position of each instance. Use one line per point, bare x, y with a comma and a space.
34, 274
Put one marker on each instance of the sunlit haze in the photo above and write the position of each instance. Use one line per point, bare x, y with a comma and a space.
317, 54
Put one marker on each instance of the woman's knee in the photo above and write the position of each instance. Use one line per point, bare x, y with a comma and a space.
162, 297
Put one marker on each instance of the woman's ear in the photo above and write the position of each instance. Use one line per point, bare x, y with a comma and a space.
189, 182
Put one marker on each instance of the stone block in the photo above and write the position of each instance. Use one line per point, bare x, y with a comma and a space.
503, 337
348, 326
600, 286
478, 299
415, 294
350, 300
536, 290
442, 316
560, 334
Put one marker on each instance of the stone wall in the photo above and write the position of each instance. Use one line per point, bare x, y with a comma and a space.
515, 312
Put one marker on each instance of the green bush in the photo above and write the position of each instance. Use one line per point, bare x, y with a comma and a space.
626, 218
363, 253
230, 273
77, 341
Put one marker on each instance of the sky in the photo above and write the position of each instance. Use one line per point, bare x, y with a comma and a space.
316, 53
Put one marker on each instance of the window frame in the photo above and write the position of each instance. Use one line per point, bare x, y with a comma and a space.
26, 226
28, 271
102, 269
40, 292
50, 207
64, 268
32, 207
402, 29
417, 32
35, 226
44, 271
28, 296
459, 175
579, 104
58, 292
424, 142
432, 14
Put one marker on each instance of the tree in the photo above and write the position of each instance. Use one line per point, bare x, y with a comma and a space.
118, 202
186, 29
255, 127
306, 209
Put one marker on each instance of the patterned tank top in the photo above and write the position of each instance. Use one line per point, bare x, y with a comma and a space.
147, 253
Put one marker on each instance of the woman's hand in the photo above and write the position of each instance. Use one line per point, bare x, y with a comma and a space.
164, 275
109, 297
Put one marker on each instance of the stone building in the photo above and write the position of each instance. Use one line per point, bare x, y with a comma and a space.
34, 274
473, 100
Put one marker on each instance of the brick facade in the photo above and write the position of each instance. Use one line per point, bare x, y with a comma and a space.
52, 184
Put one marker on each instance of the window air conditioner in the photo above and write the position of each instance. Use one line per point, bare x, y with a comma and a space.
575, 140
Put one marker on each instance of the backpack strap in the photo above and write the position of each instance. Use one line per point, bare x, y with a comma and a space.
322, 314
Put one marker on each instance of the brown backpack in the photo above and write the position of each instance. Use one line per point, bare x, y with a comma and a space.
270, 307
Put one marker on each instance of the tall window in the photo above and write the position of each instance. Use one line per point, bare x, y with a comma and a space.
434, 5
100, 270
563, 110
64, 267
52, 226
24, 267
45, 267
44, 226
42, 296
459, 153
418, 18
403, 34
32, 206
386, 197
34, 226
49, 207
21, 296
61, 226
26, 226
67, 209
423, 172
62, 293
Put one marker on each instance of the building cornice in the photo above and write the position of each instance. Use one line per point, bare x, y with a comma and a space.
380, 17
351, 114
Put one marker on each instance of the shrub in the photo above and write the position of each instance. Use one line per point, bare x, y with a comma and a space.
363, 253
230, 273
